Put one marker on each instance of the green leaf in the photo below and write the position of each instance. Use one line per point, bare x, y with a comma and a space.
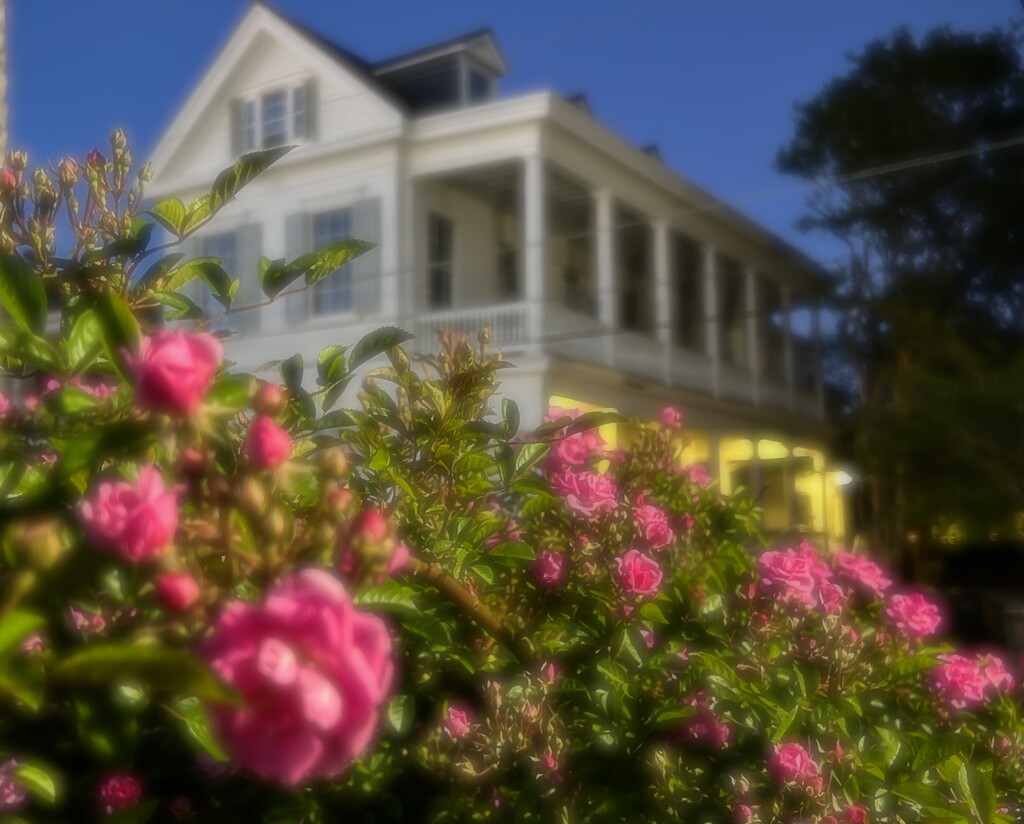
16, 626
592, 420
159, 668
517, 550
978, 791
233, 179
401, 714
119, 330
530, 455
170, 214
137, 814
129, 246
197, 723
276, 276
84, 341
510, 414
323, 262
221, 286
231, 391
784, 724
22, 294
292, 371
506, 461
71, 400
375, 343
39, 781
182, 307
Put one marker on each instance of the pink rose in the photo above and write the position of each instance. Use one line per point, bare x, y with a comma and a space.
8, 180
914, 615
118, 791
788, 576
86, 622
703, 731
832, 597
697, 473
313, 671
863, 572
12, 792
819, 570
177, 591
638, 574
995, 672
370, 541
175, 370
959, 681
181, 808
456, 724
5, 405
266, 445
136, 521
792, 763
671, 418
653, 523
549, 568
586, 492
856, 815
741, 814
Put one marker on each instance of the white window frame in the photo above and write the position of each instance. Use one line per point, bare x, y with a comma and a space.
253, 117
340, 281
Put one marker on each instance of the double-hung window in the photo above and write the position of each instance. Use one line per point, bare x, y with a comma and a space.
335, 292
275, 119
440, 234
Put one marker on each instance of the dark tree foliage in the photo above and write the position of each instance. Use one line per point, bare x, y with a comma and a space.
920, 174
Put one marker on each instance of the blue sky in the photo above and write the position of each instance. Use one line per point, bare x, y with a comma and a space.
713, 82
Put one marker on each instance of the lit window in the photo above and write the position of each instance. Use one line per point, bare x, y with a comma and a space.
275, 119
334, 293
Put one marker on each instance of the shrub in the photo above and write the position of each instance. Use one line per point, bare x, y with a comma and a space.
223, 599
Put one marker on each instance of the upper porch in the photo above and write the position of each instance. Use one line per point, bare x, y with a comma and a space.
557, 261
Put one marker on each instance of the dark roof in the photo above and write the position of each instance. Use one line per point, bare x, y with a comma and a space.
348, 59
367, 69
468, 37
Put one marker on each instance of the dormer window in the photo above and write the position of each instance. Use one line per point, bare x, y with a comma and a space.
480, 87
274, 118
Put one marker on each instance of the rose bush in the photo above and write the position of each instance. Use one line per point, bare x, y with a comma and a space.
224, 599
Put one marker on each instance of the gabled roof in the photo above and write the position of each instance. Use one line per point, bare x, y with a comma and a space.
481, 42
349, 59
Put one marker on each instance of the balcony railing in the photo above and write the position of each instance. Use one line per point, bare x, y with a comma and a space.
507, 321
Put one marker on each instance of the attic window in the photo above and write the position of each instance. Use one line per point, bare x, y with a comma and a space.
274, 118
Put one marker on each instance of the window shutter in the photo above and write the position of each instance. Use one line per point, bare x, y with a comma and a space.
237, 129
189, 247
296, 242
366, 268
249, 292
312, 109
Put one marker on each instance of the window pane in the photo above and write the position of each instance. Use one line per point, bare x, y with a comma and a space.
334, 292
439, 259
479, 86
299, 111
249, 125
275, 125
225, 247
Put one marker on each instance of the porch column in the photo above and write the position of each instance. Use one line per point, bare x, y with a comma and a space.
753, 310
711, 339
788, 359
662, 294
535, 253
819, 367
608, 302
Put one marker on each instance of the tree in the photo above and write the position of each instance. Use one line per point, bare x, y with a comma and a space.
916, 153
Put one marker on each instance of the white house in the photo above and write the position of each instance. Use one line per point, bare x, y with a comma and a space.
610, 280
